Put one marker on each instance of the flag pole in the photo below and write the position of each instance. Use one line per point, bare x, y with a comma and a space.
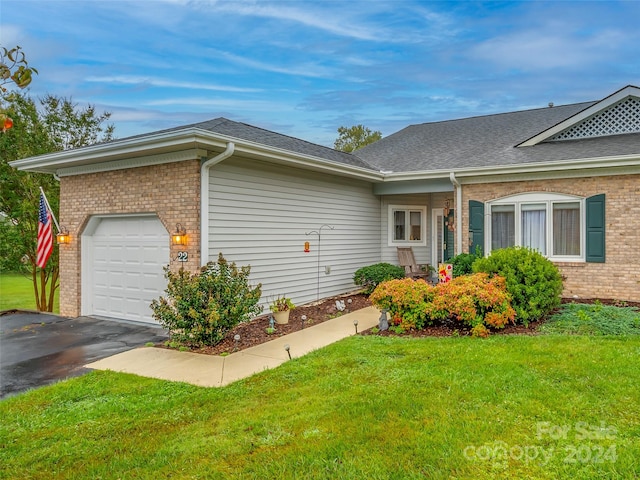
46, 200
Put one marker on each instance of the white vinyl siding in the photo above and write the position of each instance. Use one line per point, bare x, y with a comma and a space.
259, 214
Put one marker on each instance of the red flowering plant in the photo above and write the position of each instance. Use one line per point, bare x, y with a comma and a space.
406, 301
476, 300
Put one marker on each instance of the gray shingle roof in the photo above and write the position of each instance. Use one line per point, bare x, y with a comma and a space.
259, 135
489, 141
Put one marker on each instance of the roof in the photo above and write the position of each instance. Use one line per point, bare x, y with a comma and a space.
202, 139
244, 131
523, 140
495, 140
473, 142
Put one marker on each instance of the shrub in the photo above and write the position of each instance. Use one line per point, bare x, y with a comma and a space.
534, 282
462, 264
371, 276
201, 308
406, 300
477, 300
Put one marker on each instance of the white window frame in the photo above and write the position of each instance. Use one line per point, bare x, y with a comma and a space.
391, 224
548, 199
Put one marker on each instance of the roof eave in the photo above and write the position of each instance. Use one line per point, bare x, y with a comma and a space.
190, 138
608, 162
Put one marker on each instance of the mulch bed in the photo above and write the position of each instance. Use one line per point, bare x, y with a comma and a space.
255, 332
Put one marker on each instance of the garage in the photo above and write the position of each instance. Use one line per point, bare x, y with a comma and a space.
123, 259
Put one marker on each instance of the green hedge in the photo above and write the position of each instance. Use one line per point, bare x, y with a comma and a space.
371, 276
534, 282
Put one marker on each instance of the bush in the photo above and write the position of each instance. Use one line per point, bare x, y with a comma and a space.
201, 308
406, 300
534, 282
476, 300
462, 264
373, 275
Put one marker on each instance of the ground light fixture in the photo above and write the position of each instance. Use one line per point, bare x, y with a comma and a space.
288, 348
355, 324
236, 339
383, 323
179, 237
63, 236
303, 319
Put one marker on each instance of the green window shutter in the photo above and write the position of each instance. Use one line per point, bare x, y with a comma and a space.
448, 236
595, 229
476, 226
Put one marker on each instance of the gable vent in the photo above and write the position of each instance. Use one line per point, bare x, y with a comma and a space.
622, 117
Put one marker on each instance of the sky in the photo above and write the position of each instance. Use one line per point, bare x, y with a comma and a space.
306, 68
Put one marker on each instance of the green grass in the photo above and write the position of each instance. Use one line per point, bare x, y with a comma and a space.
596, 319
16, 292
365, 407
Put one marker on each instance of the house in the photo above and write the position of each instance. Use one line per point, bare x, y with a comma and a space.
562, 179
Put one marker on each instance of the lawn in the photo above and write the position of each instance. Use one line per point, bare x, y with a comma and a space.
536, 407
16, 292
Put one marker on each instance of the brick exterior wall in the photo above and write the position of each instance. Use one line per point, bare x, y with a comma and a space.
619, 277
171, 191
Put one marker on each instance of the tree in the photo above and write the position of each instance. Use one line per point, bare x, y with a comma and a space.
13, 68
353, 138
59, 124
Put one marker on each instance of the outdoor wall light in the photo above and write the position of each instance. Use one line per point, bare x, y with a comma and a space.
179, 237
447, 208
63, 236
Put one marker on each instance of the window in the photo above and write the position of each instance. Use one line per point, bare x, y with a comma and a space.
503, 226
566, 229
407, 225
552, 224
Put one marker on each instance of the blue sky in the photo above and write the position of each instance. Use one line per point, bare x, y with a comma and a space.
306, 68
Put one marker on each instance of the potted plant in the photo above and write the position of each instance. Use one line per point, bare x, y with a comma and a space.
281, 307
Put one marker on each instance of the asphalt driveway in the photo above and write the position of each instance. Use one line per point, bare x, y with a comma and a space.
38, 349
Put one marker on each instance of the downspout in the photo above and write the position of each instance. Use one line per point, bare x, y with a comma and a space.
456, 183
204, 199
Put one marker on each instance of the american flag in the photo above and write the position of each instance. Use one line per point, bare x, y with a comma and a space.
45, 234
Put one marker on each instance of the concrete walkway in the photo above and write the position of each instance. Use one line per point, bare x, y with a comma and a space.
217, 371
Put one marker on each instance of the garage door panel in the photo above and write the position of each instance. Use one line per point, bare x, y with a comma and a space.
127, 260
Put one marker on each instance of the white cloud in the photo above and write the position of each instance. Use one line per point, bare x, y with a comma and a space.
218, 103
307, 69
549, 48
336, 22
155, 82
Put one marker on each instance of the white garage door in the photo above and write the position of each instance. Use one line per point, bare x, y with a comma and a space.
126, 258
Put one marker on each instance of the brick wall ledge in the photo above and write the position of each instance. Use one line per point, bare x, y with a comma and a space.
571, 264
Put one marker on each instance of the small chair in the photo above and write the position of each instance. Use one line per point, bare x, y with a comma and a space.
411, 268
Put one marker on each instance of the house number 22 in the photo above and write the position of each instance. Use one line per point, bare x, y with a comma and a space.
183, 256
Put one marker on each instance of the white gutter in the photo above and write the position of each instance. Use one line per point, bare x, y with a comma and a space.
204, 200
456, 183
